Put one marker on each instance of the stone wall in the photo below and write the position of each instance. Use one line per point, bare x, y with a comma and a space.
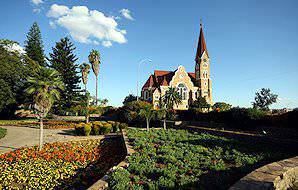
280, 175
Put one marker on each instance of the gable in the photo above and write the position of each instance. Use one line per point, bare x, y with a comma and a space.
181, 76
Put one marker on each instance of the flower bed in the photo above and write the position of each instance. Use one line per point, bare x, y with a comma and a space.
72, 165
50, 124
99, 128
177, 159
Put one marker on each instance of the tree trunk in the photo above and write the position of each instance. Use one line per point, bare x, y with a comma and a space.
41, 134
96, 90
164, 124
147, 121
87, 118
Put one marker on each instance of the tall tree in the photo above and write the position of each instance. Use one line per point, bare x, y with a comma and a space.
15, 67
167, 103
264, 99
34, 45
63, 60
94, 59
85, 70
44, 89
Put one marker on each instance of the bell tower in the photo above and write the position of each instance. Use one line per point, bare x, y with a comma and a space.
202, 69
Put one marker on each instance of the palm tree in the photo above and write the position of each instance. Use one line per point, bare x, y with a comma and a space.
85, 70
167, 103
45, 90
104, 102
171, 98
94, 59
147, 112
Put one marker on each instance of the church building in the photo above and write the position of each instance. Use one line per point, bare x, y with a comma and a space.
190, 85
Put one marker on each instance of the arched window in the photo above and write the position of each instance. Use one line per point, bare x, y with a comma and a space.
146, 94
205, 74
182, 90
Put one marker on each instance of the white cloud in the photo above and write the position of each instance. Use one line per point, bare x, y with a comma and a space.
57, 11
52, 24
87, 26
36, 2
107, 43
126, 14
14, 47
37, 10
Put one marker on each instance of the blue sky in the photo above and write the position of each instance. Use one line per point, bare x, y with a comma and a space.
251, 43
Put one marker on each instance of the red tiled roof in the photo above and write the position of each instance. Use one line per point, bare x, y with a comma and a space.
161, 73
163, 78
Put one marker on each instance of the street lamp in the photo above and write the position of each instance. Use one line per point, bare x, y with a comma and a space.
138, 73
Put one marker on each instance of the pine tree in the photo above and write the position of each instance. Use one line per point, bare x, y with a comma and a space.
63, 60
34, 46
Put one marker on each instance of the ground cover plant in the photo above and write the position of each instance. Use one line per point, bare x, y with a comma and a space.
71, 165
177, 159
2, 132
99, 128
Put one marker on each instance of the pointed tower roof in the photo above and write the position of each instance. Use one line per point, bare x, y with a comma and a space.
201, 44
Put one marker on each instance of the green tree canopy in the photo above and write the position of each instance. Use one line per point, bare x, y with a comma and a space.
63, 60
44, 89
147, 113
200, 103
171, 98
34, 45
221, 106
14, 69
129, 98
264, 99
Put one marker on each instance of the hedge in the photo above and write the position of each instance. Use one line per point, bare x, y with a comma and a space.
99, 128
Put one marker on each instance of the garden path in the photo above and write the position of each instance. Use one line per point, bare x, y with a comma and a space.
17, 137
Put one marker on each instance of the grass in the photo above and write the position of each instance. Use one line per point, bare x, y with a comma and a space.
2, 132
177, 159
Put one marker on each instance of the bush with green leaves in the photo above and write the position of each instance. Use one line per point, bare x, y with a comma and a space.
87, 129
178, 159
99, 128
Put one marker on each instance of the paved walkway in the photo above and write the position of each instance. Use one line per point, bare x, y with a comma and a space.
17, 137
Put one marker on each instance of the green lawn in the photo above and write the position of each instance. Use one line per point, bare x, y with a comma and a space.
2, 132
177, 159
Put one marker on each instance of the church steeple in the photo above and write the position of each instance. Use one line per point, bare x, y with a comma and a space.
201, 44
202, 69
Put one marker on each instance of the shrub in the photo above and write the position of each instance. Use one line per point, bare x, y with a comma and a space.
87, 129
79, 129
123, 126
96, 127
105, 129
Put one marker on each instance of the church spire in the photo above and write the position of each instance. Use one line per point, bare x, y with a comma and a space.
201, 44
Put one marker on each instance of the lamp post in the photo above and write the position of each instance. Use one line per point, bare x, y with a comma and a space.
138, 73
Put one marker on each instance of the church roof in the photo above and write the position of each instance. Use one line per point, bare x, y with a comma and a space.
163, 78
201, 45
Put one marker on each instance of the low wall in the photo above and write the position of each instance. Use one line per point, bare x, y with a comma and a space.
280, 175
103, 182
